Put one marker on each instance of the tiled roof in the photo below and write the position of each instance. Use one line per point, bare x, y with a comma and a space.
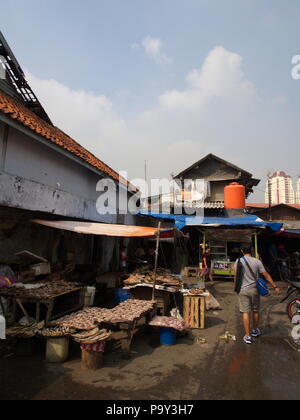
18, 112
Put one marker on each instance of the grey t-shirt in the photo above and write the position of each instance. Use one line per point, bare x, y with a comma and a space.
257, 268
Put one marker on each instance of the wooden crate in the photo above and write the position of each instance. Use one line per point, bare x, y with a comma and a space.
192, 272
194, 311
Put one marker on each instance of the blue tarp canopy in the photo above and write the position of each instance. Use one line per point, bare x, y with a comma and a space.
248, 220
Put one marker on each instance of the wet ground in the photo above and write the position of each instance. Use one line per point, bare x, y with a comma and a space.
269, 369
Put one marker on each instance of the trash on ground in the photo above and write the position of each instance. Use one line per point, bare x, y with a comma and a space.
227, 337
201, 341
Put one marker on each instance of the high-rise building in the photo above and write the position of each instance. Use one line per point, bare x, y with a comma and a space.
280, 189
298, 191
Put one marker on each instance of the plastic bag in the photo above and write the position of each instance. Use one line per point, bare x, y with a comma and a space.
2, 328
175, 313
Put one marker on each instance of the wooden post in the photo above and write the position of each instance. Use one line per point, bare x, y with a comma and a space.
49, 311
256, 245
91, 360
38, 312
156, 259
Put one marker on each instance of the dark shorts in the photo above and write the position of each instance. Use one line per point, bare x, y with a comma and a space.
249, 300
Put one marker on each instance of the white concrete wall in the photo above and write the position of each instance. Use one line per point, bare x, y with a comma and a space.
35, 177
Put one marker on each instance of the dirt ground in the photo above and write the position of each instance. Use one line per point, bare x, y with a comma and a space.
269, 369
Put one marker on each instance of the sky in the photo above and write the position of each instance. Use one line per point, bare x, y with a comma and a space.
166, 81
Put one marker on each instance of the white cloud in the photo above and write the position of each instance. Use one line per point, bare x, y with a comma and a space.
153, 48
218, 112
220, 77
88, 118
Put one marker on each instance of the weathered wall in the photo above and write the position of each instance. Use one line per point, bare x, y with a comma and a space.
217, 191
213, 170
18, 233
35, 177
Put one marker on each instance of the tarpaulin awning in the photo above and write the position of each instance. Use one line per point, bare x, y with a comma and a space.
181, 221
106, 229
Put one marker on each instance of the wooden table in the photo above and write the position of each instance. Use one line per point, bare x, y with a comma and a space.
124, 332
50, 308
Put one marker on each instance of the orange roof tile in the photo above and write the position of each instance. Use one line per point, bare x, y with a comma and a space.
17, 111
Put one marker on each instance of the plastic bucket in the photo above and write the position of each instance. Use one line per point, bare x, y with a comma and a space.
89, 297
57, 350
122, 295
167, 336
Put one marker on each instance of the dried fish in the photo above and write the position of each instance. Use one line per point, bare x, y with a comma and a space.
163, 277
89, 318
87, 334
45, 291
27, 331
102, 335
56, 332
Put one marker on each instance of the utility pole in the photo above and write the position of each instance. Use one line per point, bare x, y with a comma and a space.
156, 258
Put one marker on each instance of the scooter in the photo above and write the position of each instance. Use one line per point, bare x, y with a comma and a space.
293, 306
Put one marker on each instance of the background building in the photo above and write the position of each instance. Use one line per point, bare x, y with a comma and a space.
298, 191
280, 189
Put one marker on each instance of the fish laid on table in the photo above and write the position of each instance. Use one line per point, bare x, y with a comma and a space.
89, 318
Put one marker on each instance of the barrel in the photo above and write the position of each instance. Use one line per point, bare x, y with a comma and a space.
167, 336
235, 196
122, 295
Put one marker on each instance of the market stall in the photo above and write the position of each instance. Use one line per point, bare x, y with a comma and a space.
225, 245
224, 235
122, 323
141, 283
46, 300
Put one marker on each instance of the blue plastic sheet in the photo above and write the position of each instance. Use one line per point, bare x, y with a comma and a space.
181, 221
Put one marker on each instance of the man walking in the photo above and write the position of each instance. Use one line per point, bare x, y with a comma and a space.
247, 272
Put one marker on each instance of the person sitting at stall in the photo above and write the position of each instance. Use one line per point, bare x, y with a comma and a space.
151, 256
207, 263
